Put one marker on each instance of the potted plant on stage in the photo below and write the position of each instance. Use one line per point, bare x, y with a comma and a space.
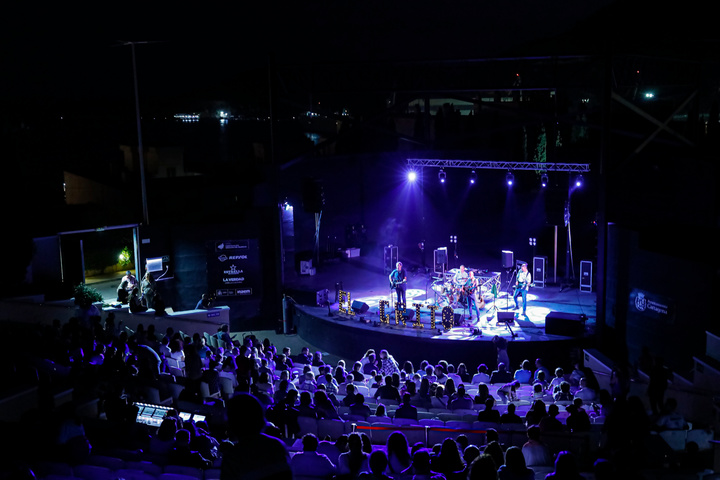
87, 299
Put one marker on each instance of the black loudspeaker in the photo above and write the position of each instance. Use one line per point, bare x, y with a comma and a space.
321, 297
360, 307
565, 324
441, 256
506, 317
508, 259
408, 316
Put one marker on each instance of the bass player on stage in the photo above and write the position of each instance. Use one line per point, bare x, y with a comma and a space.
472, 290
398, 281
522, 285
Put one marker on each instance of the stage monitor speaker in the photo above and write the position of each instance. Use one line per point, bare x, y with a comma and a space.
506, 317
586, 274
538, 273
508, 259
321, 297
360, 307
409, 315
565, 324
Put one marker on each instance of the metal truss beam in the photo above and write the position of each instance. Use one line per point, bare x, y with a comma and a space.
491, 165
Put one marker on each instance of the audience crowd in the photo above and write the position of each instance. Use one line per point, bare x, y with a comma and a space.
258, 397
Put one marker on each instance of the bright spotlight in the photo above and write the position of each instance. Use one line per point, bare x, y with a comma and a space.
509, 179
579, 180
412, 175
649, 95
473, 178
544, 180
441, 176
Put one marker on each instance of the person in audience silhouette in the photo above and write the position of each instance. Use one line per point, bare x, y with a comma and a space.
398, 454
515, 467
355, 461
253, 453
510, 416
310, 463
536, 453
490, 414
449, 461
406, 409
565, 468
483, 467
501, 375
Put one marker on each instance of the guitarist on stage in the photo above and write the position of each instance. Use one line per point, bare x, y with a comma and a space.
398, 281
472, 290
522, 284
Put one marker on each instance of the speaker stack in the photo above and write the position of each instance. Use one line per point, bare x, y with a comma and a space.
565, 324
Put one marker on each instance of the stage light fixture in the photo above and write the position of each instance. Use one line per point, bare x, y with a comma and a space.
509, 178
544, 180
473, 178
579, 180
442, 176
412, 175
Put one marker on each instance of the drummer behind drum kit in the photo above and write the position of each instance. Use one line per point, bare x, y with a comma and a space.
450, 295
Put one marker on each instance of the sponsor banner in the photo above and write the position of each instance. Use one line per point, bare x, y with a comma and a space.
233, 268
651, 305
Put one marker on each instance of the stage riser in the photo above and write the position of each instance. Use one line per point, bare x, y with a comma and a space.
349, 339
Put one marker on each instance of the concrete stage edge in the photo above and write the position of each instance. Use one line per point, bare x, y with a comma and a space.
189, 321
349, 338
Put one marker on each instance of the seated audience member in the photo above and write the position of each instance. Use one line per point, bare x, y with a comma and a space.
461, 400
377, 464
483, 467
510, 416
324, 407
449, 460
253, 453
465, 376
536, 413
535, 452
354, 461
306, 407
406, 409
308, 383
501, 375
304, 358
670, 418
349, 395
288, 359
357, 374
310, 463
359, 407
420, 467
164, 440
578, 420
482, 395
550, 423
565, 468
587, 394
439, 400
332, 450
489, 414
181, 454
380, 415
317, 360
541, 378
470, 453
557, 380
515, 467
388, 364
495, 450
524, 374
482, 375
398, 454
563, 395
539, 367
371, 364
387, 391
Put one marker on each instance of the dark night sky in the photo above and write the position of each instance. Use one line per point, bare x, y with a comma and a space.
55, 56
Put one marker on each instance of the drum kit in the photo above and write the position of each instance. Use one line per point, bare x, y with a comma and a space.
447, 294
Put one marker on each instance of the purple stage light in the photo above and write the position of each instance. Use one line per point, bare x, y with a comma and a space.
412, 175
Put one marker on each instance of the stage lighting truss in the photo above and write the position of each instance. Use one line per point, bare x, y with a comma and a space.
544, 180
490, 165
473, 177
442, 176
509, 178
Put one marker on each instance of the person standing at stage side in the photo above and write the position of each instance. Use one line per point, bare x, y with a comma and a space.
522, 284
148, 288
398, 281
130, 279
471, 289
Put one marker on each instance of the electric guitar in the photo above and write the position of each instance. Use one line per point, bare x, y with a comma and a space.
522, 286
394, 285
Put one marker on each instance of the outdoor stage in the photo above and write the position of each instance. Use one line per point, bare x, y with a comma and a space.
556, 321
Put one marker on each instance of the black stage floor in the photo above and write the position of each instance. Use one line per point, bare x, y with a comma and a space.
572, 317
